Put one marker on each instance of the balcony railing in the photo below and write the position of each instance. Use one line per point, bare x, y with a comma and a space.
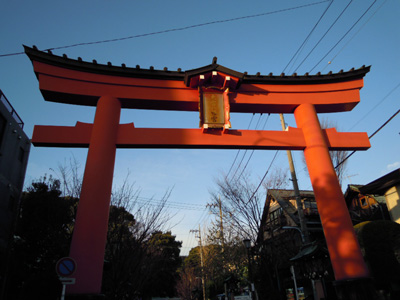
11, 109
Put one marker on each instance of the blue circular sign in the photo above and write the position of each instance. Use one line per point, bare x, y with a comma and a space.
66, 266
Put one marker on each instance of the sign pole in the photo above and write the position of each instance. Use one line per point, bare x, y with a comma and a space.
63, 292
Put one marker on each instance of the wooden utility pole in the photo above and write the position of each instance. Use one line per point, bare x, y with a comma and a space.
202, 265
222, 244
305, 237
201, 261
221, 225
222, 239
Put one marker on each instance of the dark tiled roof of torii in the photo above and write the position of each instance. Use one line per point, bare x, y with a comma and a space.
165, 74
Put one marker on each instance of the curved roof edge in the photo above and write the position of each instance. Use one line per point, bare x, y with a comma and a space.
93, 67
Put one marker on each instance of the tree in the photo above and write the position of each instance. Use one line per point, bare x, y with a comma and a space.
242, 205
242, 202
220, 263
123, 254
133, 229
188, 286
380, 243
42, 237
146, 268
45, 228
162, 263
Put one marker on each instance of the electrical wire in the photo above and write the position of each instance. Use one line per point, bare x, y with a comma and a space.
379, 103
175, 29
252, 152
245, 152
308, 37
326, 32
358, 31
237, 154
348, 31
169, 206
370, 137
169, 202
265, 175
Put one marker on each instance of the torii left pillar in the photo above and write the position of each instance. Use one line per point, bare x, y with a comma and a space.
90, 234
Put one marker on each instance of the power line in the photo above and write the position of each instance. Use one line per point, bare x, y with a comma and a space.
252, 152
326, 32
174, 29
169, 202
170, 206
308, 36
370, 137
245, 152
348, 42
237, 153
380, 102
348, 31
265, 175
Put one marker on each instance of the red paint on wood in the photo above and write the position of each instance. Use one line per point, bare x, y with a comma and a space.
90, 232
71, 82
131, 137
84, 88
344, 250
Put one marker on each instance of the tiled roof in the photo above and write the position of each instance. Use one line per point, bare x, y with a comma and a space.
166, 74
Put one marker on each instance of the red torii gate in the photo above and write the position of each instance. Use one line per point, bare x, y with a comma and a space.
216, 91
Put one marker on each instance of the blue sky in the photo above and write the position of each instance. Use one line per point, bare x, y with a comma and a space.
264, 43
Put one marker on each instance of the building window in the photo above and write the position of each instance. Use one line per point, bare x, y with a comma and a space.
364, 202
310, 207
275, 217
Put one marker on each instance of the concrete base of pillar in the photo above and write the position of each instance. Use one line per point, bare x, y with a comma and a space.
85, 297
355, 289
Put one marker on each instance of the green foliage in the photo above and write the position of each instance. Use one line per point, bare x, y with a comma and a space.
380, 242
192, 261
163, 261
138, 267
188, 285
138, 261
42, 237
220, 263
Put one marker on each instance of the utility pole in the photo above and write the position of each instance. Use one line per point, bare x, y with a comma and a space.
222, 240
221, 226
305, 237
201, 261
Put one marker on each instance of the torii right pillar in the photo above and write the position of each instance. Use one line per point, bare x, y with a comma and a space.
348, 264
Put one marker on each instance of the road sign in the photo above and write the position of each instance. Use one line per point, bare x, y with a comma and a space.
65, 267
67, 280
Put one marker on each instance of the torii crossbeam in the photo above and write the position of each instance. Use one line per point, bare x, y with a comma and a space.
215, 91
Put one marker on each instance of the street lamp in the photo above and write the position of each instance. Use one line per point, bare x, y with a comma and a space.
247, 244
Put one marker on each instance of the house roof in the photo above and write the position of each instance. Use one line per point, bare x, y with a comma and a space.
353, 190
289, 194
382, 184
283, 197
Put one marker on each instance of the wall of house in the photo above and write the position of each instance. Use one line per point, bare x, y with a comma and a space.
392, 196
